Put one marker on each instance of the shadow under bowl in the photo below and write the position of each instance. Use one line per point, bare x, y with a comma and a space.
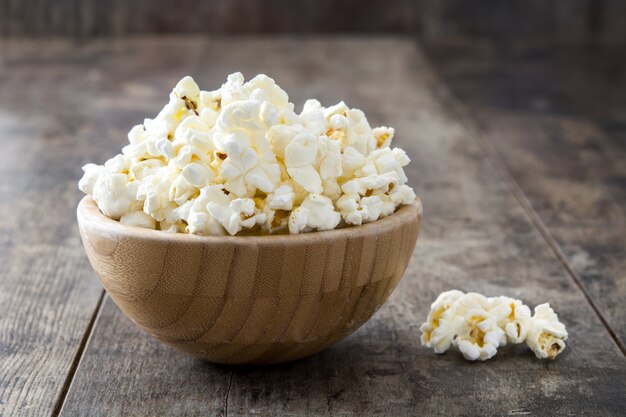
250, 299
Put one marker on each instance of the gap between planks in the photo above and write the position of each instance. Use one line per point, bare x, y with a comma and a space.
58, 406
475, 131
230, 384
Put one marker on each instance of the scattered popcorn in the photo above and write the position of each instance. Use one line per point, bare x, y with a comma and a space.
441, 326
240, 160
547, 334
478, 325
479, 335
513, 317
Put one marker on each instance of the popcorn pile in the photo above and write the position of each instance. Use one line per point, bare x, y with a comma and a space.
478, 325
240, 160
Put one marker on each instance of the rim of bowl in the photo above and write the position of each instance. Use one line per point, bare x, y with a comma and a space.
88, 213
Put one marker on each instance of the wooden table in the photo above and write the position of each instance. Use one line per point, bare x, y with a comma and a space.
517, 153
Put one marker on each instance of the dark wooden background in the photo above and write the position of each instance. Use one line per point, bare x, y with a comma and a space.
562, 19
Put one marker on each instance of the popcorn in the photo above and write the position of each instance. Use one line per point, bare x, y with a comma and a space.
193, 131
315, 212
239, 159
439, 330
92, 173
383, 136
300, 155
195, 212
188, 91
281, 198
513, 317
479, 335
112, 185
358, 210
546, 334
478, 325
157, 192
240, 213
116, 193
243, 171
139, 219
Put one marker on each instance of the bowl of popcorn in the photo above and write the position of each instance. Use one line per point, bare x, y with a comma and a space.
237, 230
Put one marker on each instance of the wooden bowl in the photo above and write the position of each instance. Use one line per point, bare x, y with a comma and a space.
250, 299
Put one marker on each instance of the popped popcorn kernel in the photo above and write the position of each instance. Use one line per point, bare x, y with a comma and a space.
479, 336
546, 335
439, 330
478, 325
239, 159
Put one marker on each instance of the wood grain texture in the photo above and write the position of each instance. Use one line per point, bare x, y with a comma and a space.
558, 121
250, 299
476, 237
563, 19
47, 293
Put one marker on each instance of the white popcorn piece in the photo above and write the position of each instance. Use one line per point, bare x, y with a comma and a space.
90, 176
300, 156
139, 219
368, 184
239, 159
240, 213
118, 164
315, 212
402, 194
479, 335
546, 335
351, 161
187, 154
170, 116
209, 116
244, 172
155, 191
195, 212
188, 90
312, 117
478, 325
264, 88
331, 189
358, 210
360, 134
383, 136
282, 198
471, 301
197, 174
513, 317
194, 131
329, 156
171, 227
211, 100
277, 220
438, 331
280, 135
114, 194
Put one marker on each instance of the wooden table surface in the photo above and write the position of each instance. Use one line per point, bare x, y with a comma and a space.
518, 154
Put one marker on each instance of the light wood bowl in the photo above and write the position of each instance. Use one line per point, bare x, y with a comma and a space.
250, 299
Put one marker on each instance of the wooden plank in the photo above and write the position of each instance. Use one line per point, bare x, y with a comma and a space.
476, 236
47, 293
562, 139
